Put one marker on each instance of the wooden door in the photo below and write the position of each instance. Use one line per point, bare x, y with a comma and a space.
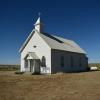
37, 65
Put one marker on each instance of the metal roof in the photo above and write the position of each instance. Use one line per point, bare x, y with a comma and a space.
56, 42
60, 43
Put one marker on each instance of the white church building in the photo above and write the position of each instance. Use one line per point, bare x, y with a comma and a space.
47, 54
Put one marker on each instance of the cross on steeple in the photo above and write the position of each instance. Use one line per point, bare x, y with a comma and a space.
39, 14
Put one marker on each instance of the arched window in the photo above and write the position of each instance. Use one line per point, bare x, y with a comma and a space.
26, 63
62, 61
80, 63
43, 61
86, 60
72, 61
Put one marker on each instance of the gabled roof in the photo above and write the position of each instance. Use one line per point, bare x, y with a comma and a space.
56, 42
27, 40
38, 21
60, 43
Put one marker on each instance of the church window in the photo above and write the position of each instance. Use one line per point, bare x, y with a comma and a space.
80, 64
62, 61
43, 61
26, 63
72, 61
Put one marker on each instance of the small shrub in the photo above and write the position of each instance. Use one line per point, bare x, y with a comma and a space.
36, 73
60, 73
19, 72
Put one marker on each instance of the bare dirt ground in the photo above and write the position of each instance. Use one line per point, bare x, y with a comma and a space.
69, 86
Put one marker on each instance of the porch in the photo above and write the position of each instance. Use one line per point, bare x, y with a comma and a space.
32, 63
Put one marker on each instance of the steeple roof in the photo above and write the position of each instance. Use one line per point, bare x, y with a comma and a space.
39, 25
38, 21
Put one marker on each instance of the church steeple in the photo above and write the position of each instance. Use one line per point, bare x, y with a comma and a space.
39, 25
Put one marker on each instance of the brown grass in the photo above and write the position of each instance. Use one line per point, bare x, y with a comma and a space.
72, 86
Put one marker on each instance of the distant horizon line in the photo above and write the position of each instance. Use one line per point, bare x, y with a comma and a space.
9, 64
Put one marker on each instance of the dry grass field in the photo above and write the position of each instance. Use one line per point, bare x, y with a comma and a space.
69, 86
9, 67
